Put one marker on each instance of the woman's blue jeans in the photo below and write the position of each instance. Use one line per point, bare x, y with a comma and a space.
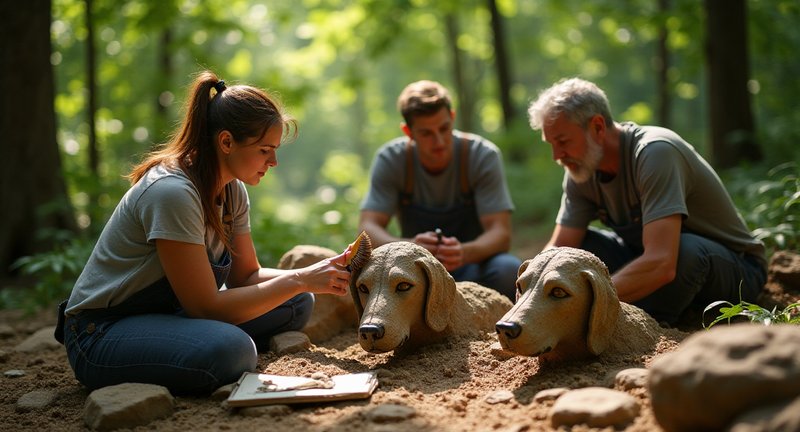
186, 355
706, 272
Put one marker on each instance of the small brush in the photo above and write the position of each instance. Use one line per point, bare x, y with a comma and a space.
360, 250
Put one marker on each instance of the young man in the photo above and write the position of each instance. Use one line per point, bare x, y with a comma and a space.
447, 189
676, 238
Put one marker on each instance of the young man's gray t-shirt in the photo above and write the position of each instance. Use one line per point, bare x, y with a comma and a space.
670, 177
164, 204
484, 172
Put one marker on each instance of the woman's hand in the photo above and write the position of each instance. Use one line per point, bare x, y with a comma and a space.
328, 276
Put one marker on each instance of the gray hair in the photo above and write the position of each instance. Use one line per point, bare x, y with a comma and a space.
578, 99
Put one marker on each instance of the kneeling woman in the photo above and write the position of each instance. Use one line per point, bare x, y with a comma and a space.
148, 307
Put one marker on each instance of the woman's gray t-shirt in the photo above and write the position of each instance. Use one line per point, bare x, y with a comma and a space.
163, 204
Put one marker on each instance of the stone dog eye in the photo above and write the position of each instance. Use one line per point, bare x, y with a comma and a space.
403, 286
363, 289
559, 293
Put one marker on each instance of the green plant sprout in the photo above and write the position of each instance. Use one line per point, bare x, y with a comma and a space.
755, 313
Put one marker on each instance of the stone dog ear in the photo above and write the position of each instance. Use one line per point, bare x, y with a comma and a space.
523, 267
604, 312
440, 292
354, 292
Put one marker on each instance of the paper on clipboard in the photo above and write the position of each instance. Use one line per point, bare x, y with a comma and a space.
249, 390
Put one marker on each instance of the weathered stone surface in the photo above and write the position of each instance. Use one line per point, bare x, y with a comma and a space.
390, 413
779, 417
223, 392
718, 374
289, 342
499, 396
549, 394
632, 378
266, 411
6, 331
35, 400
785, 267
126, 406
597, 407
41, 340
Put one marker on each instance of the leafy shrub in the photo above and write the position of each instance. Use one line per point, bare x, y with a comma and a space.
771, 207
54, 271
755, 313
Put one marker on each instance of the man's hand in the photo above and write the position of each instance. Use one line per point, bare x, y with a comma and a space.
450, 253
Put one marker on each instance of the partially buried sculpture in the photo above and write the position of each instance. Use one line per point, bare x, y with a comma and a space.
567, 308
406, 298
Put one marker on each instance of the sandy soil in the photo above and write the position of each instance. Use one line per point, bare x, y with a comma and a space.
446, 385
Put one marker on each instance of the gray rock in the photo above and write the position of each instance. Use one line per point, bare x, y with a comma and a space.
499, 396
35, 400
127, 406
6, 331
718, 374
632, 378
223, 392
266, 411
390, 413
596, 407
289, 342
40, 341
14, 373
779, 417
549, 394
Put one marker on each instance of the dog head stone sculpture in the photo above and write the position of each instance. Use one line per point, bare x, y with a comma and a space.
567, 307
403, 295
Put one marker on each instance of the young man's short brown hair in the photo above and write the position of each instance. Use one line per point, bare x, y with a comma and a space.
422, 98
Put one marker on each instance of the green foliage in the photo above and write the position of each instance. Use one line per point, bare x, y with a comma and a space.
771, 207
755, 313
54, 272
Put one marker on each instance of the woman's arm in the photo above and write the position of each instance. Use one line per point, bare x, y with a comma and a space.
189, 273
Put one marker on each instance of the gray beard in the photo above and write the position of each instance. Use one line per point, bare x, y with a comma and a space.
588, 165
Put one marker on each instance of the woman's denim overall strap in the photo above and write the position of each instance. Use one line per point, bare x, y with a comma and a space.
459, 220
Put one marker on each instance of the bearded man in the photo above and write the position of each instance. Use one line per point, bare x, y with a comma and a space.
675, 239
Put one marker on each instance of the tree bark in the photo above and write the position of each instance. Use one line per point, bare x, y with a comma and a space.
466, 104
501, 61
33, 189
91, 86
662, 68
732, 126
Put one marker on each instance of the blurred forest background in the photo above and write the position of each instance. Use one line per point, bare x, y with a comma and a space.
89, 86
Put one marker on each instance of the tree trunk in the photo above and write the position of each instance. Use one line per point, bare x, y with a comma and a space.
32, 184
502, 63
732, 125
91, 85
662, 66
466, 104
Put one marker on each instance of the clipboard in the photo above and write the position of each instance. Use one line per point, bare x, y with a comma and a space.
250, 389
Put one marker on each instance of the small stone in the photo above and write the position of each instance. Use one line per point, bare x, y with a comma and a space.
14, 373
549, 394
289, 342
35, 400
499, 396
390, 413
